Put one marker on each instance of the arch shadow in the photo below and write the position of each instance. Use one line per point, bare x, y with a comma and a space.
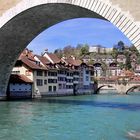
132, 88
97, 91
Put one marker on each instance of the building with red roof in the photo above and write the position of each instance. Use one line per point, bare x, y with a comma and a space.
54, 76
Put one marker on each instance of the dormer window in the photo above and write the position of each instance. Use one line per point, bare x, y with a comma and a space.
37, 62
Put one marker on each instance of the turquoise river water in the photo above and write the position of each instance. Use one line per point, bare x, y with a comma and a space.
93, 117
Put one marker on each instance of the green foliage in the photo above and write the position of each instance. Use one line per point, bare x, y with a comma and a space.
84, 50
121, 46
91, 62
121, 65
127, 51
128, 62
133, 49
138, 60
114, 53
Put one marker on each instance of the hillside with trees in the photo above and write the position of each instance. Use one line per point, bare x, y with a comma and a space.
82, 50
79, 51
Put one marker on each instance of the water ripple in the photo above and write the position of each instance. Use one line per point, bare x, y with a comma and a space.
116, 105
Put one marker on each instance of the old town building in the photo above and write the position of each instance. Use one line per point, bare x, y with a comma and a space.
54, 76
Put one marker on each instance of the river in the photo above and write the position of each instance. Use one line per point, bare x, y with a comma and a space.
92, 117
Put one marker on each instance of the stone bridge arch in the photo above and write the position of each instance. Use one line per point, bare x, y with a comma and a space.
101, 86
21, 23
132, 88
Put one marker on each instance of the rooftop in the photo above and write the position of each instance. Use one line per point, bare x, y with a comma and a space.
15, 78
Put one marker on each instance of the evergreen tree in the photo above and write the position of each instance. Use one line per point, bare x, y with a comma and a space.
128, 62
114, 52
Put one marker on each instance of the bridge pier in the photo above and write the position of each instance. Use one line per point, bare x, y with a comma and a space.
3, 89
121, 89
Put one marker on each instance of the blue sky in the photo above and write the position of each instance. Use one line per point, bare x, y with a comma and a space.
78, 31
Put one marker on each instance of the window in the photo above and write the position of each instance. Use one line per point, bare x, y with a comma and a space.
45, 73
50, 88
52, 73
45, 82
61, 78
76, 73
61, 72
28, 73
76, 79
37, 62
87, 72
39, 73
54, 88
39, 82
71, 74
69, 80
15, 72
69, 86
92, 72
60, 86
64, 86
87, 78
52, 80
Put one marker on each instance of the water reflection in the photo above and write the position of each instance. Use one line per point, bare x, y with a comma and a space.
115, 105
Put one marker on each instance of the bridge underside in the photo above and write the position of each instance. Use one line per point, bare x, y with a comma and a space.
22, 29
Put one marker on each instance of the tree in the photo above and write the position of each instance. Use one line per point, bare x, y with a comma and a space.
138, 60
68, 51
133, 49
121, 65
120, 47
84, 50
91, 62
104, 68
59, 53
128, 62
114, 52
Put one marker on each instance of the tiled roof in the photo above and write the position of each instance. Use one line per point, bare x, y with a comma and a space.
27, 53
43, 59
136, 78
129, 73
51, 66
62, 65
15, 78
74, 62
32, 63
112, 78
53, 57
